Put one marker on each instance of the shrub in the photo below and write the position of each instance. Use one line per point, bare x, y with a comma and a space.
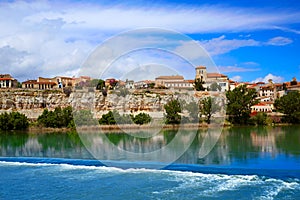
13, 121
114, 117
260, 119
142, 118
57, 118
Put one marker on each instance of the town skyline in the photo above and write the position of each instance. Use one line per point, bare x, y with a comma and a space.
248, 41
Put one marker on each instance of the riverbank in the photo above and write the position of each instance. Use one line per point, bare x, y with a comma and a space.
134, 127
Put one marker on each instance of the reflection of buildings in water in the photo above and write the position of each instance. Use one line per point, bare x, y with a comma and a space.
266, 142
161, 147
220, 152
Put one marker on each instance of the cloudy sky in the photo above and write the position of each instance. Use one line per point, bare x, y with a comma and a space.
247, 40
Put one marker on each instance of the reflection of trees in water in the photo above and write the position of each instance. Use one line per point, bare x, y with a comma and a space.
240, 145
289, 141
235, 144
12, 143
62, 145
41, 145
13, 139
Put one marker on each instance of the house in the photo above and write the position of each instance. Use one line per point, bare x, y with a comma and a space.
162, 80
293, 85
273, 90
63, 81
185, 84
144, 84
7, 81
263, 107
39, 84
210, 78
174, 82
129, 84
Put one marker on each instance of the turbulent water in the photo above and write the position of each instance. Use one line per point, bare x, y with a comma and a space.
244, 164
41, 179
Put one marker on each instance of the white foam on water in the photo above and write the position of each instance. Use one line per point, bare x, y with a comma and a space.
3, 163
206, 184
275, 186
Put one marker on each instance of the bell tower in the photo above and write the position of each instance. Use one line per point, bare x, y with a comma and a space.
201, 73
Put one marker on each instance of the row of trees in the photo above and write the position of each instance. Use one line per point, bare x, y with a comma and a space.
238, 108
114, 117
13, 121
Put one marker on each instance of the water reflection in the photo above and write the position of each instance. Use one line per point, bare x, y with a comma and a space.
240, 145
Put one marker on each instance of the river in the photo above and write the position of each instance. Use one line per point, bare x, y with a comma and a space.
242, 163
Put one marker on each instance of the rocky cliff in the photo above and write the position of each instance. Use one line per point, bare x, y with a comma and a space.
33, 102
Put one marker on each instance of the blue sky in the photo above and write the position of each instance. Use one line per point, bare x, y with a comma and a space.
247, 40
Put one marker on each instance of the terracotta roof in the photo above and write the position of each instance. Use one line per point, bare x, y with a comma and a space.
215, 75
170, 77
260, 83
35, 82
6, 79
190, 81
200, 67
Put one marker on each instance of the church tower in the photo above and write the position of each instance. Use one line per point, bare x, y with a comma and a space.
201, 73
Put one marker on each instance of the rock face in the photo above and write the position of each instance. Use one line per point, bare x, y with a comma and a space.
33, 102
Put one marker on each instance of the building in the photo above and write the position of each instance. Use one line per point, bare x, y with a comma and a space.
263, 107
7, 81
63, 81
129, 84
39, 84
185, 84
210, 78
144, 84
292, 85
173, 82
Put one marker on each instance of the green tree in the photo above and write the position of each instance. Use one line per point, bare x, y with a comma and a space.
142, 118
172, 109
198, 85
239, 102
57, 119
13, 121
114, 117
215, 87
289, 105
260, 118
108, 118
208, 107
100, 85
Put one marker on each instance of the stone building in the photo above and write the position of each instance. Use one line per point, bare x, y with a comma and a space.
210, 78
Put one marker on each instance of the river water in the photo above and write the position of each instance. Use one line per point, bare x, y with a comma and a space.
245, 163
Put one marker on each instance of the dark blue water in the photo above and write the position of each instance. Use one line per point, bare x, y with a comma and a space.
244, 164
79, 179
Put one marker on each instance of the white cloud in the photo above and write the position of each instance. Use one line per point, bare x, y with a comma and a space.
44, 38
235, 68
220, 45
279, 41
236, 78
275, 79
